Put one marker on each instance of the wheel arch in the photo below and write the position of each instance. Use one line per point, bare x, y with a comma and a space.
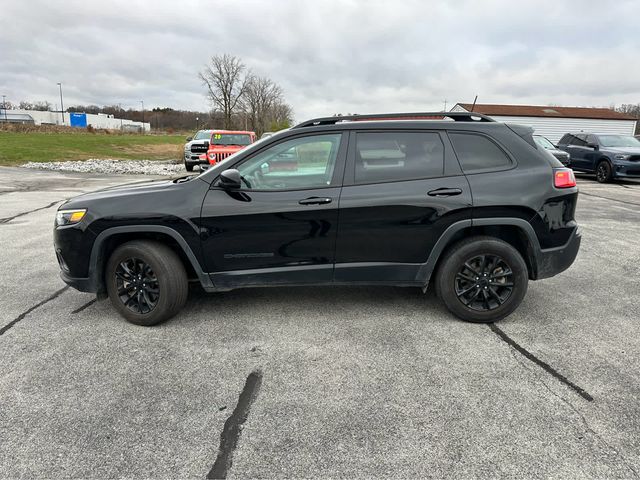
110, 239
515, 231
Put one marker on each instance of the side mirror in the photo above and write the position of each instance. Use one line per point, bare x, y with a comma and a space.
189, 139
230, 179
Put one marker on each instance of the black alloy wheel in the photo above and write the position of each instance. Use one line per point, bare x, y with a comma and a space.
137, 285
484, 282
482, 279
603, 172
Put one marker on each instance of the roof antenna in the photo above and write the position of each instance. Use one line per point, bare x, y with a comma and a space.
474, 103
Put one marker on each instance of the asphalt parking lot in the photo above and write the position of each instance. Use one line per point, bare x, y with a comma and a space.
332, 382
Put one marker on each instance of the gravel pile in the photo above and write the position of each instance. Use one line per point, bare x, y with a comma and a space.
146, 167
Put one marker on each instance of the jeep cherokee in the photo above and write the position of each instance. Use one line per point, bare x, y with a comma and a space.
472, 206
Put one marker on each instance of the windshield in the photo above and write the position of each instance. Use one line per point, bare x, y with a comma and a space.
202, 135
619, 141
544, 142
231, 139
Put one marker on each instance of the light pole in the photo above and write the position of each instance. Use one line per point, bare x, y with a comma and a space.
61, 104
142, 102
197, 119
4, 107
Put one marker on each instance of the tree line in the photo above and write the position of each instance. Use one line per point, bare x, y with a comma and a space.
240, 100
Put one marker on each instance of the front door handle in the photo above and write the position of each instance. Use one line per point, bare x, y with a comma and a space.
444, 192
315, 201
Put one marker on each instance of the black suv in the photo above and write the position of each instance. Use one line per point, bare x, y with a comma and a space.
609, 156
472, 205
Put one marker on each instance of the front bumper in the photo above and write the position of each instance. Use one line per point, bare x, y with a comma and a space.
81, 284
552, 261
624, 168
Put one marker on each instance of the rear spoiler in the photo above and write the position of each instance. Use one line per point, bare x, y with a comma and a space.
524, 132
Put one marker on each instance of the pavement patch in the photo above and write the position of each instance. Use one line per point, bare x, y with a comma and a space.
233, 426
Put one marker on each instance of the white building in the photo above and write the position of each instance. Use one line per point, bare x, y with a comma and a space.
554, 122
100, 120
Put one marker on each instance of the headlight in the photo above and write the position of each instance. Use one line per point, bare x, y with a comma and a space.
622, 157
212, 156
69, 217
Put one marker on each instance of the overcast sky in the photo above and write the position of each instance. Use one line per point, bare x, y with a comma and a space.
328, 56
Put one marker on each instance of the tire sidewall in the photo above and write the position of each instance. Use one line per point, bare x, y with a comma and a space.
466, 251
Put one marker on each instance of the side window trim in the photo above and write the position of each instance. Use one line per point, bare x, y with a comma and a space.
338, 170
349, 176
500, 147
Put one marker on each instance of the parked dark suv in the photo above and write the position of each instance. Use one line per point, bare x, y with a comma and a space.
609, 156
473, 206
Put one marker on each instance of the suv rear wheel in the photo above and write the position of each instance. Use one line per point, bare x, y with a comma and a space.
146, 282
482, 279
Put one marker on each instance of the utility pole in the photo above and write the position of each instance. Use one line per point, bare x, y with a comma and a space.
142, 102
4, 107
61, 104
445, 105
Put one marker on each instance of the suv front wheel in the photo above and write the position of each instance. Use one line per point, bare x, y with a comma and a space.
603, 172
146, 282
482, 279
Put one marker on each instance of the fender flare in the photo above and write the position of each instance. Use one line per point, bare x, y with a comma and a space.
97, 251
426, 270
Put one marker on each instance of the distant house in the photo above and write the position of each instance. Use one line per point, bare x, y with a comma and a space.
553, 122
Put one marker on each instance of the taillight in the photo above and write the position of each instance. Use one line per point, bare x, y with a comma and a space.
563, 178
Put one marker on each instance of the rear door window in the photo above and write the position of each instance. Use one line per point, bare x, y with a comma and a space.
397, 156
579, 140
478, 153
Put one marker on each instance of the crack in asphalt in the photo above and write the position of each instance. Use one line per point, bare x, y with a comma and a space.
586, 424
545, 366
8, 219
609, 198
86, 305
38, 305
233, 426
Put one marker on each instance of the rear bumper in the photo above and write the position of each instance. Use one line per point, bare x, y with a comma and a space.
552, 261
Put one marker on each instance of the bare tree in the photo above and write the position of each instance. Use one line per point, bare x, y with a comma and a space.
261, 96
226, 81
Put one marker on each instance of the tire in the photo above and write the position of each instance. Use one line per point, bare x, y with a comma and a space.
188, 166
604, 172
452, 279
166, 275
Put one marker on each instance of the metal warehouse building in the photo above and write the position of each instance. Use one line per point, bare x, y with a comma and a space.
553, 122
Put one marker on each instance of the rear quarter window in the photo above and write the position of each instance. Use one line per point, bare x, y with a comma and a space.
478, 153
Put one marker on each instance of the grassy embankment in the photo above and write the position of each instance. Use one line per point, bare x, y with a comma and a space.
18, 147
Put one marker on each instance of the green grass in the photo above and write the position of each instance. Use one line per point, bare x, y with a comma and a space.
17, 148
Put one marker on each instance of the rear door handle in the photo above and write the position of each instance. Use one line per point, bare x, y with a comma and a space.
315, 201
444, 192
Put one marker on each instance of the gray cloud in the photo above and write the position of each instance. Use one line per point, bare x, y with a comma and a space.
329, 56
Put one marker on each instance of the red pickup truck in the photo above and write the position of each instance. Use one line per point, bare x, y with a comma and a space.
224, 143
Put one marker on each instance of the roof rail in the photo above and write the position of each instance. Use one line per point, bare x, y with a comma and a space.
457, 116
